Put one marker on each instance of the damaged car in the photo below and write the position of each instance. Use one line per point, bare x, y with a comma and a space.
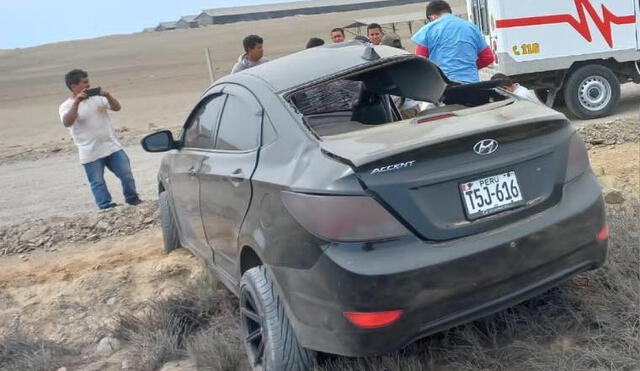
347, 226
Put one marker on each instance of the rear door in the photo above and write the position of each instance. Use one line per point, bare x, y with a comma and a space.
198, 138
225, 176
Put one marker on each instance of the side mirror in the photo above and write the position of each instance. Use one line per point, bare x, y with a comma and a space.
160, 141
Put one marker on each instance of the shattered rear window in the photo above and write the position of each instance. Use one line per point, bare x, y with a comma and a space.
335, 96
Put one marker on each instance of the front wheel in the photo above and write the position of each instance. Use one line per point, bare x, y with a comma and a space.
268, 337
168, 223
592, 91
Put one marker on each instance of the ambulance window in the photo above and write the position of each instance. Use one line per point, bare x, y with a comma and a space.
485, 16
481, 15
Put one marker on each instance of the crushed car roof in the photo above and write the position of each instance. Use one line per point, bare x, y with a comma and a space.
312, 64
386, 70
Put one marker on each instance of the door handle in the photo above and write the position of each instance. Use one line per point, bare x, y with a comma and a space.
237, 177
193, 171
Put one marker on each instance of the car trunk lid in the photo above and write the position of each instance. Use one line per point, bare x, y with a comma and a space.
416, 170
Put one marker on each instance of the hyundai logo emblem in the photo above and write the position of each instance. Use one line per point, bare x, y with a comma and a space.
486, 147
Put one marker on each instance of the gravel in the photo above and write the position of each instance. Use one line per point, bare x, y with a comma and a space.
609, 133
94, 226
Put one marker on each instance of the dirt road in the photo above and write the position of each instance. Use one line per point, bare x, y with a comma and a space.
57, 185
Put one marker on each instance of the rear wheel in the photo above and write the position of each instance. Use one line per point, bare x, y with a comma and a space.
168, 223
269, 339
592, 91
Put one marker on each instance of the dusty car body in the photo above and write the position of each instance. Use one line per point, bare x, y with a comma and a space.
364, 231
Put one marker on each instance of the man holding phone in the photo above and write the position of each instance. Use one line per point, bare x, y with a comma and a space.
85, 114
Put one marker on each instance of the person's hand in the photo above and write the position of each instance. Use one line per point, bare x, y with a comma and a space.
81, 96
105, 93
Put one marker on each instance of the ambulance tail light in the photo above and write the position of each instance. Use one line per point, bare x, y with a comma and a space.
494, 46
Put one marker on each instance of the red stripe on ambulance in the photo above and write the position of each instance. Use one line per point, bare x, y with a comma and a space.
581, 24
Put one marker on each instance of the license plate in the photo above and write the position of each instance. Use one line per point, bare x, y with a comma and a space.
491, 195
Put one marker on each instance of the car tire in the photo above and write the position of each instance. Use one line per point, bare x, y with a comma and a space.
592, 91
268, 337
167, 221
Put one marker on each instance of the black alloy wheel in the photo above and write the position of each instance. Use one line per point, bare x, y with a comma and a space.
268, 337
252, 323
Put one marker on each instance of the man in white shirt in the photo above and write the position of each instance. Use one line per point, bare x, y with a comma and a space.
516, 89
89, 124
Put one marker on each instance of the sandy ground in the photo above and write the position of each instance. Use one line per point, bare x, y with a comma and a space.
71, 297
618, 167
156, 76
64, 295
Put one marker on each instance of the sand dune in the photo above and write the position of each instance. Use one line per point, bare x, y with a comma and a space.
157, 76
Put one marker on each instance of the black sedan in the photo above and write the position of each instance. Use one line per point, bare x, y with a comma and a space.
356, 200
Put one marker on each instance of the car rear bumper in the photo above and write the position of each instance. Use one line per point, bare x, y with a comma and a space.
441, 285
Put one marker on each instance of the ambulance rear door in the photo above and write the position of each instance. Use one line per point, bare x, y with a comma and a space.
480, 13
637, 24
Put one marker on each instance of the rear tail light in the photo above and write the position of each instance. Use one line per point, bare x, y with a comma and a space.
373, 319
603, 235
343, 218
578, 160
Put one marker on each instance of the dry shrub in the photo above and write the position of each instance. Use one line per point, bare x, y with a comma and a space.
22, 352
167, 325
218, 348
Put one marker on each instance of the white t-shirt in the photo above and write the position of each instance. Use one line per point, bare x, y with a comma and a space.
526, 94
92, 131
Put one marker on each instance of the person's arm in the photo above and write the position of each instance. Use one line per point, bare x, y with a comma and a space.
421, 40
72, 115
485, 58
114, 105
422, 51
485, 54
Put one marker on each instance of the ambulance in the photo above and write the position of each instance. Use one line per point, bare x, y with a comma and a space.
575, 52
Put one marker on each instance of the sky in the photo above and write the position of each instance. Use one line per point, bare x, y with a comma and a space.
25, 23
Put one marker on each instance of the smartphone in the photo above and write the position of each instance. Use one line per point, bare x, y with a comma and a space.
92, 92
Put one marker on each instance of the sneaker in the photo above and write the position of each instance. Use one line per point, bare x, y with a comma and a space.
108, 207
135, 202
